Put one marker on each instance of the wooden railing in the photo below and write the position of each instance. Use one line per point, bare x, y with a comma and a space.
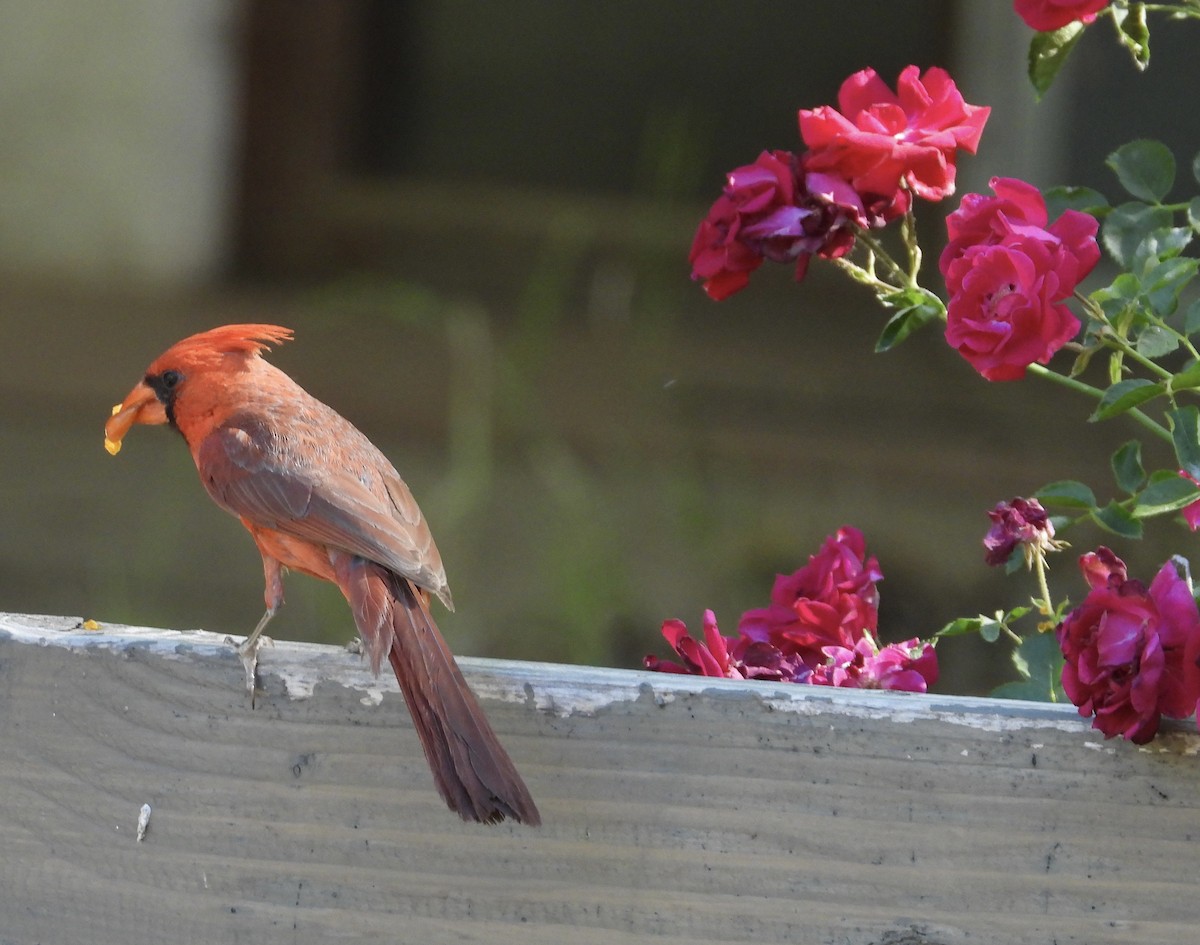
677, 810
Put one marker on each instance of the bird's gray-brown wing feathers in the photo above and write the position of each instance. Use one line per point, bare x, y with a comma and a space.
323, 482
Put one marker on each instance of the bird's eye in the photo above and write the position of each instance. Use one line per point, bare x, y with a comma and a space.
170, 379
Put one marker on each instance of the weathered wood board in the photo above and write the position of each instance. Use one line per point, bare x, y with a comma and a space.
677, 810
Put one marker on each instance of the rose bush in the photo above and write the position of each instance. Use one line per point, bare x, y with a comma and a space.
1013, 272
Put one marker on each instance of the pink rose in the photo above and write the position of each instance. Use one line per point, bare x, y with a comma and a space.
1043, 15
881, 140
1131, 651
1018, 210
1007, 272
772, 210
910, 666
1003, 318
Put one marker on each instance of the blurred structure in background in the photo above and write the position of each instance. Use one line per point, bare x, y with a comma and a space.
476, 217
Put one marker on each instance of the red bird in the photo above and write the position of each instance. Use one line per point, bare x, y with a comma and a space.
318, 497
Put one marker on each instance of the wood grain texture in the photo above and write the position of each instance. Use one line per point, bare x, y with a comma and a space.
676, 810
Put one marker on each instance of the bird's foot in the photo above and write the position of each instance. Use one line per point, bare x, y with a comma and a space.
247, 652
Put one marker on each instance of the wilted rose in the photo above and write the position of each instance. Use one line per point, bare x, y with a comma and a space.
1020, 523
772, 209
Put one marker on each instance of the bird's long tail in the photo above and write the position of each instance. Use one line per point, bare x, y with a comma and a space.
472, 770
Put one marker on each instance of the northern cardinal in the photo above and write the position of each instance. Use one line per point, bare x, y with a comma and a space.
318, 497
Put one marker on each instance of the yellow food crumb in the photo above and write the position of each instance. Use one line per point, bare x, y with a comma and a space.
90, 624
116, 409
113, 446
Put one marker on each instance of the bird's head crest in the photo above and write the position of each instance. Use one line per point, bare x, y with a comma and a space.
151, 400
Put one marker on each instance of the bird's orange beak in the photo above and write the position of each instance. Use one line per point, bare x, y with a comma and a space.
139, 406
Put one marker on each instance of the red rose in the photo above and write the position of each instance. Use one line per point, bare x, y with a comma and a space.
717, 258
1006, 272
1043, 15
882, 139
831, 601
739, 658
1131, 651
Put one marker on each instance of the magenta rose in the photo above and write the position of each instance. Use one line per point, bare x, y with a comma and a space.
1007, 273
1131, 651
1044, 15
831, 601
771, 209
881, 141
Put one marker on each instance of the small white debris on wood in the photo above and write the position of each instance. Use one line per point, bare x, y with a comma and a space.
143, 822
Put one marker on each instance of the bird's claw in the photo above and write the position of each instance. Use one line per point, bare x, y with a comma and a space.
247, 652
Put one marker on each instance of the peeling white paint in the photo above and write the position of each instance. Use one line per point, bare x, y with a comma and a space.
566, 690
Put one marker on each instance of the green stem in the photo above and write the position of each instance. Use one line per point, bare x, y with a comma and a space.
882, 254
1045, 607
1096, 394
861, 275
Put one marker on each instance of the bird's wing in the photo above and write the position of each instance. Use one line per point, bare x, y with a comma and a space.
326, 504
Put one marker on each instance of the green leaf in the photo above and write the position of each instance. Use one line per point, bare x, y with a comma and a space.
1163, 283
1188, 378
1114, 518
1185, 434
915, 309
961, 627
1125, 395
1133, 32
1191, 320
1145, 168
1039, 662
1083, 199
1127, 467
1047, 54
1067, 492
1193, 213
1129, 224
1159, 245
1166, 495
1196, 168
1154, 341
989, 630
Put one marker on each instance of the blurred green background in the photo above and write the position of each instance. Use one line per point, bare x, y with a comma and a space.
476, 217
